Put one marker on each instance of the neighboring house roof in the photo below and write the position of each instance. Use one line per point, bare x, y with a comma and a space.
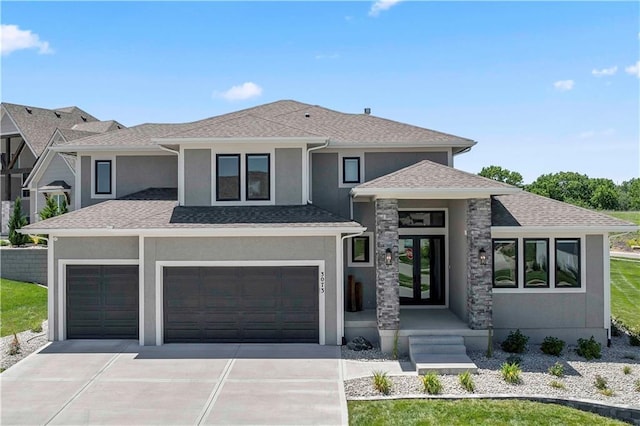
150, 209
284, 118
56, 185
99, 126
37, 125
530, 210
71, 134
429, 179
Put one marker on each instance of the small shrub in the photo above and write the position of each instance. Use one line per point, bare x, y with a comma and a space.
615, 329
16, 221
511, 373
634, 339
516, 342
607, 392
626, 369
589, 349
432, 384
600, 382
514, 359
556, 384
4, 243
636, 385
466, 380
14, 346
629, 356
381, 382
556, 369
37, 328
552, 346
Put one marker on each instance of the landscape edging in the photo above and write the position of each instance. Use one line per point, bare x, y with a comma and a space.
625, 413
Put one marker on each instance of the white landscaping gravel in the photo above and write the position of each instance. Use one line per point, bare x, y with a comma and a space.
578, 379
29, 343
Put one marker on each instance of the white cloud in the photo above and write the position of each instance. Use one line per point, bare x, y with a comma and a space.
382, 5
634, 69
564, 85
241, 92
13, 38
605, 71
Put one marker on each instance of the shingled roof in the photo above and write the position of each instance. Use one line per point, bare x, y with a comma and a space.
38, 124
286, 118
530, 210
156, 208
432, 179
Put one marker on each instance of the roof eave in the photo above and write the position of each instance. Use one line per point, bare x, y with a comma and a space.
113, 148
420, 144
560, 229
430, 193
232, 140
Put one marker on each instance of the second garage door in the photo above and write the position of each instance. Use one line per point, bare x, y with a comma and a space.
241, 304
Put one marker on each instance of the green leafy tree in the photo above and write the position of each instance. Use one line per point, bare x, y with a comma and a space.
51, 208
16, 221
502, 175
605, 195
629, 194
569, 187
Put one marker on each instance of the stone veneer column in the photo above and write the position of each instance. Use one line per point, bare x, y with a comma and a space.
479, 286
387, 291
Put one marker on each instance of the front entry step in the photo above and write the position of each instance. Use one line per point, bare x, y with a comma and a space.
440, 354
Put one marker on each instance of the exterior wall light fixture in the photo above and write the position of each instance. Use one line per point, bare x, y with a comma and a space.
483, 256
388, 256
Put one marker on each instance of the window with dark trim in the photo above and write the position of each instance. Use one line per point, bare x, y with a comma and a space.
568, 263
360, 250
350, 169
536, 263
505, 263
26, 193
103, 177
227, 177
421, 219
258, 182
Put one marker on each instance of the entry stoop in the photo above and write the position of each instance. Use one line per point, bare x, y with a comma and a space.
440, 354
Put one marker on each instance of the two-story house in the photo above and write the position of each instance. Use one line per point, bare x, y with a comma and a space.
244, 228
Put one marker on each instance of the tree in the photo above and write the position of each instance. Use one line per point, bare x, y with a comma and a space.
502, 175
52, 209
17, 221
630, 194
569, 187
605, 196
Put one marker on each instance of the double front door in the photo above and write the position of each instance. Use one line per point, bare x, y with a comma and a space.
422, 270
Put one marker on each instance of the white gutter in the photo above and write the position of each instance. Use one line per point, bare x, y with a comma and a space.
340, 283
164, 148
326, 143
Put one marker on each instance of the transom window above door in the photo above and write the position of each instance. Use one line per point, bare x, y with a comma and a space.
421, 219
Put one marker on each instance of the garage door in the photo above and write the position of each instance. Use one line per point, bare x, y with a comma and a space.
241, 304
102, 302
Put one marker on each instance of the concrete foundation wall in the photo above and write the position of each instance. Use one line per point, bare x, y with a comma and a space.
24, 264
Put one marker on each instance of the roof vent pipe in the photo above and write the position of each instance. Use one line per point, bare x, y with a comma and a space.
307, 115
367, 111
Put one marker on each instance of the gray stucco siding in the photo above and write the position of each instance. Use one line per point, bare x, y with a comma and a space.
86, 248
136, 173
197, 177
363, 213
378, 164
324, 183
458, 258
571, 315
245, 249
288, 176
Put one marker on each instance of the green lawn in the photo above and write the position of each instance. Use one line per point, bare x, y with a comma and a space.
468, 412
23, 306
625, 292
628, 216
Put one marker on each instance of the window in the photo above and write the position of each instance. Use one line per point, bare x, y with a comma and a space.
26, 193
228, 177
60, 199
567, 263
103, 177
421, 219
536, 263
350, 169
360, 250
258, 180
505, 263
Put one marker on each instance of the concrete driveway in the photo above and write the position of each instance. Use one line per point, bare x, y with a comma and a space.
120, 382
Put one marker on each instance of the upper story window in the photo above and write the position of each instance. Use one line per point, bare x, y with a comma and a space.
26, 193
103, 174
228, 177
421, 219
351, 170
258, 177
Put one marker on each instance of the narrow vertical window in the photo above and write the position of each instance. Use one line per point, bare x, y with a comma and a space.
360, 250
568, 263
103, 177
350, 169
258, 179
505, 263
228, 177
536, 263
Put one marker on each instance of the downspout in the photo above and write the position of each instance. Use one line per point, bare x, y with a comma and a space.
309, 168
340, 283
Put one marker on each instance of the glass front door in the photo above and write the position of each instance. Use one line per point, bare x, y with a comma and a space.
421, 274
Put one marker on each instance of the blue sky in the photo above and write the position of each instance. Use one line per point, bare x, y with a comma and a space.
543, 86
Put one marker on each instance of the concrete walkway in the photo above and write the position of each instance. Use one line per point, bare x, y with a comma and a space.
120, 382
625, 254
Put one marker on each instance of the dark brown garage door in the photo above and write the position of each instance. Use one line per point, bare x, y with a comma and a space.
241, 304
102, 302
